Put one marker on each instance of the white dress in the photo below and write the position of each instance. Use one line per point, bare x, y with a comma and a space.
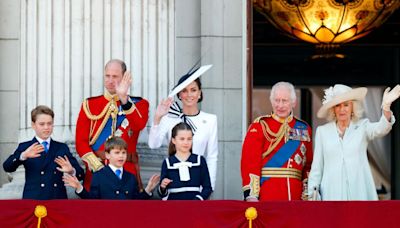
205, 139
340, 168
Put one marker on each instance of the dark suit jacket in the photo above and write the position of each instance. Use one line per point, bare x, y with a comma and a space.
42, 180
106, 185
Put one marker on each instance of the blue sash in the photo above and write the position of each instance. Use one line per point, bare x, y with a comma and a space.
106, 132
285, 152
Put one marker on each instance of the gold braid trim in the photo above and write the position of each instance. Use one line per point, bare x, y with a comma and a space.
304, 193
103, 123
93, 161
258, 119
110, 109
276, 137
282, 172
254, 185
90, 115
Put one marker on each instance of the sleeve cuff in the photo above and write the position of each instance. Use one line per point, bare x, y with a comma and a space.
127, 106
79, 189
22, 158
148, 193
161, 192
199, 197
251, 197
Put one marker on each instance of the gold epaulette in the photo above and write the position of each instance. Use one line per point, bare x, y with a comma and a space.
90, 115
257, 120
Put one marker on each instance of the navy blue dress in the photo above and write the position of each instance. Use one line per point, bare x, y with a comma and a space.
198, 187
106, 185
42, 179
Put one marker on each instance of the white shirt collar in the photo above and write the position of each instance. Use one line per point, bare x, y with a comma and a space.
113, 168
42, 140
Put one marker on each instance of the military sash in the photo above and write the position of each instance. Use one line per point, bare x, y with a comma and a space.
285, 152
107, 131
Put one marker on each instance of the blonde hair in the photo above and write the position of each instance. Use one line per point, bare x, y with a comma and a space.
356, 114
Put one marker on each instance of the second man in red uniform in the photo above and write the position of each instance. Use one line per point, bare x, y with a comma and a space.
277, 151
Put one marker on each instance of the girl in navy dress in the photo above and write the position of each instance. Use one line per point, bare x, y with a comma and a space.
184, 175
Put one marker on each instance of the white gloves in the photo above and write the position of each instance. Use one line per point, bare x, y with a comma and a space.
389, 97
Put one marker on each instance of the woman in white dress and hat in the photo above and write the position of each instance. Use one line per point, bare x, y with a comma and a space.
204, 125
340, 168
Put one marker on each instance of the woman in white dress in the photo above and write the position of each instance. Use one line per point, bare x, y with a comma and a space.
204, 125
340, 168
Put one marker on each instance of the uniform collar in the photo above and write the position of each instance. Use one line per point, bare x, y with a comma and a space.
110, 97
282, 120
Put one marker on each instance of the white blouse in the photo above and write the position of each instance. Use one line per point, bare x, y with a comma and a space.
205, 139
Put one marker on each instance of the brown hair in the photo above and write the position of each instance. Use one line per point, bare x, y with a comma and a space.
180, 126
41, 109
198, 82
115, 143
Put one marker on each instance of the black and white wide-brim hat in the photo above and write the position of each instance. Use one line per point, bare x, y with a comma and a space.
338, 94
188, 78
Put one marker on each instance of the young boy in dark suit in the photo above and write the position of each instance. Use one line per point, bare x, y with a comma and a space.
113, 181
44, 159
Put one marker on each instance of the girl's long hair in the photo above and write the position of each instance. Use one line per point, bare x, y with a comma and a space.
178, 127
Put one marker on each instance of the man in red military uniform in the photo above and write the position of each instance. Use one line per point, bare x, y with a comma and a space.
113, 114
277, 151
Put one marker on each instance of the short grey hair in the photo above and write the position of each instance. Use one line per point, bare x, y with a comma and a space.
358, 111
287, 85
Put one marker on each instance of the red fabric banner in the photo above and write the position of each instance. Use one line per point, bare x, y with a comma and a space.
212, 213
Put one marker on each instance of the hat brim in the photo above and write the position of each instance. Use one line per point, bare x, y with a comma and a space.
354, 94
189, 80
